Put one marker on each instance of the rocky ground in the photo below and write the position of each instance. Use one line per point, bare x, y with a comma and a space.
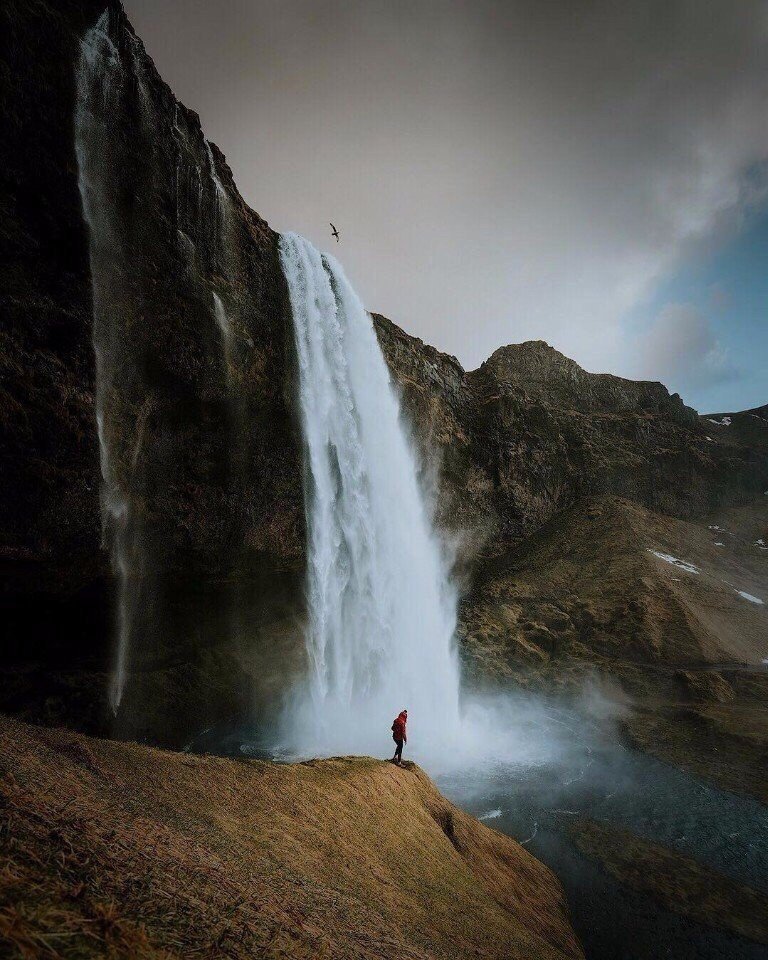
120, 850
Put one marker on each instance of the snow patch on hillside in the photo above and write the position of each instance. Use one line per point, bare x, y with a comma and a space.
675, 561
748, 596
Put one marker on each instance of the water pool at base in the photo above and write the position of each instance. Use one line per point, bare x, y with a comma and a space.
598, 779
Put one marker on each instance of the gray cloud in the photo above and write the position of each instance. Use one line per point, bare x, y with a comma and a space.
681, 349
499, 171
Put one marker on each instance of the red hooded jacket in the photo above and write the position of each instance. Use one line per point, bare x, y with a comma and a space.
398, 727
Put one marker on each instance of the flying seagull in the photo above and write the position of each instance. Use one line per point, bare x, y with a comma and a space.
334, 232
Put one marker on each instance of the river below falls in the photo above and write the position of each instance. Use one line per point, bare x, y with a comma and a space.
593, 776
561, 766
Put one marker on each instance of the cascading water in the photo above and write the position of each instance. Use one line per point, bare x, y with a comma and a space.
382, 611
127, 239
227, 336
221, 209
99, 79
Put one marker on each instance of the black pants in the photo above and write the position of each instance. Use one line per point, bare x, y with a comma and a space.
398, 750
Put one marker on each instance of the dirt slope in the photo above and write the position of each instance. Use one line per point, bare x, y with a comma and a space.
599, 584
120, 850
595, 593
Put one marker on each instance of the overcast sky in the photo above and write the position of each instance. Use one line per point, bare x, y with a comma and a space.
590, 174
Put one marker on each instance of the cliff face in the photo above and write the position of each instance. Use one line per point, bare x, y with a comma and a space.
50, 507
198, 434
530, 432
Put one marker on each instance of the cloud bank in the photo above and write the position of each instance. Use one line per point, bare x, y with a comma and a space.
681, 349
498, 171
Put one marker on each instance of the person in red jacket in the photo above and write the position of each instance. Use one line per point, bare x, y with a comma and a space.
399, 735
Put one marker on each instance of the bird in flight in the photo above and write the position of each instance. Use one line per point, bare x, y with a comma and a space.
334, 232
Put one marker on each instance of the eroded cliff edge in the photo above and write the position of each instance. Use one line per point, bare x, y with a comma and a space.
216, 485
131, 851
530, 432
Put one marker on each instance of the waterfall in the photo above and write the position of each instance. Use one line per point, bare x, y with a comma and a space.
113, 96
227, 336
99, 80
221, 201
381, 609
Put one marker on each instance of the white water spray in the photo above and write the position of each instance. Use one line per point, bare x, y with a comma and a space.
382, 612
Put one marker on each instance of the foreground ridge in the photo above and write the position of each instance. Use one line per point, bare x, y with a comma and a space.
155, 854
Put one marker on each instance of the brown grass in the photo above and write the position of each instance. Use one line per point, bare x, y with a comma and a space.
584, 604
586, 590
121, 851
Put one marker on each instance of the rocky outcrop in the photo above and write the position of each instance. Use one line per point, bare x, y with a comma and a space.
542, 371
199, 417
745, 429
530, 432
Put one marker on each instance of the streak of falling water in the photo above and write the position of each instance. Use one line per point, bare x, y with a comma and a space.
112, 91
220, 196
225, 329
382, 611
220, 191
99, 79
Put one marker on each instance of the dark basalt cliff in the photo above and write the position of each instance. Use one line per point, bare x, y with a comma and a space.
215, 482
204, 435
530, 432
